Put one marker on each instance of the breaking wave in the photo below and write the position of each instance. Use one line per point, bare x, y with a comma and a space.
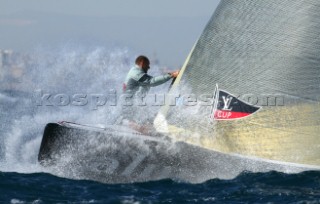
45, 92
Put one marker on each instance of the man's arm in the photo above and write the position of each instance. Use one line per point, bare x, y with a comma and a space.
147, 80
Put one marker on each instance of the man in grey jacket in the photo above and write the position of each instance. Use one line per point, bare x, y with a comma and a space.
138, 83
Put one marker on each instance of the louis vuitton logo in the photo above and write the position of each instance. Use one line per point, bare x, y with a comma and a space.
227, 102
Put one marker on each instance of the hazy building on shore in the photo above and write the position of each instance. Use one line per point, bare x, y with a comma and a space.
7, 57
5, 62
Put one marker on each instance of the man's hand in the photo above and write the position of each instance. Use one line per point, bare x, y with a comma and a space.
175, 74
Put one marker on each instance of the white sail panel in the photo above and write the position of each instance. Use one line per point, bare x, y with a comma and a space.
268, 50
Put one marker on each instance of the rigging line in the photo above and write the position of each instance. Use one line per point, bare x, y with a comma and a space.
215, 104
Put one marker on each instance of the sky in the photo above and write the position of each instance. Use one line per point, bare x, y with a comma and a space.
165, 29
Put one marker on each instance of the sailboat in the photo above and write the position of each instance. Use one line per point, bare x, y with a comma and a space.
260, 63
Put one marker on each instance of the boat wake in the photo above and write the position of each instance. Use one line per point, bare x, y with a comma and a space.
67, 71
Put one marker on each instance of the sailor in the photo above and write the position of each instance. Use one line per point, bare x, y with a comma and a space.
137, 84
138, 81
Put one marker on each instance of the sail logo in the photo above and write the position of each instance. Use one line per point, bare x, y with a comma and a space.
227, 103
228, 107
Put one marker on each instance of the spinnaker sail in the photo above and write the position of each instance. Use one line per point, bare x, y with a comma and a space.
266, 53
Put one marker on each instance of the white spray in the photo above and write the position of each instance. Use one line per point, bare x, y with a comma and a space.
66, 71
